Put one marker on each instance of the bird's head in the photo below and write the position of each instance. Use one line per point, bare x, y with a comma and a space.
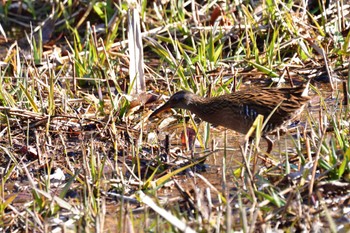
180, 99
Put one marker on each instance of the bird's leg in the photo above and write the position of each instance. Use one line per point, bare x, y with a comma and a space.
269, 144
267, 139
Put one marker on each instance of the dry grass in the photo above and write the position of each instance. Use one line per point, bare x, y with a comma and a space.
77, 150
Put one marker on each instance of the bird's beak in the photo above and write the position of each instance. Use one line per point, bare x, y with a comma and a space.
162, 108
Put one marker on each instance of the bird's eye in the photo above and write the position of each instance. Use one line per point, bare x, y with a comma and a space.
177, 98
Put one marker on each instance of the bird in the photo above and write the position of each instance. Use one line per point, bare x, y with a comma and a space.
238, 110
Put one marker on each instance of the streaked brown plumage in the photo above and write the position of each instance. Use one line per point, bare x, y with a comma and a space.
238, 110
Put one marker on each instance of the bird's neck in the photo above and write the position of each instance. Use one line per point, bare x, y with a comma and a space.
198, 105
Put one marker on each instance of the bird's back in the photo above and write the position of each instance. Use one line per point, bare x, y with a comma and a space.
238, 110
